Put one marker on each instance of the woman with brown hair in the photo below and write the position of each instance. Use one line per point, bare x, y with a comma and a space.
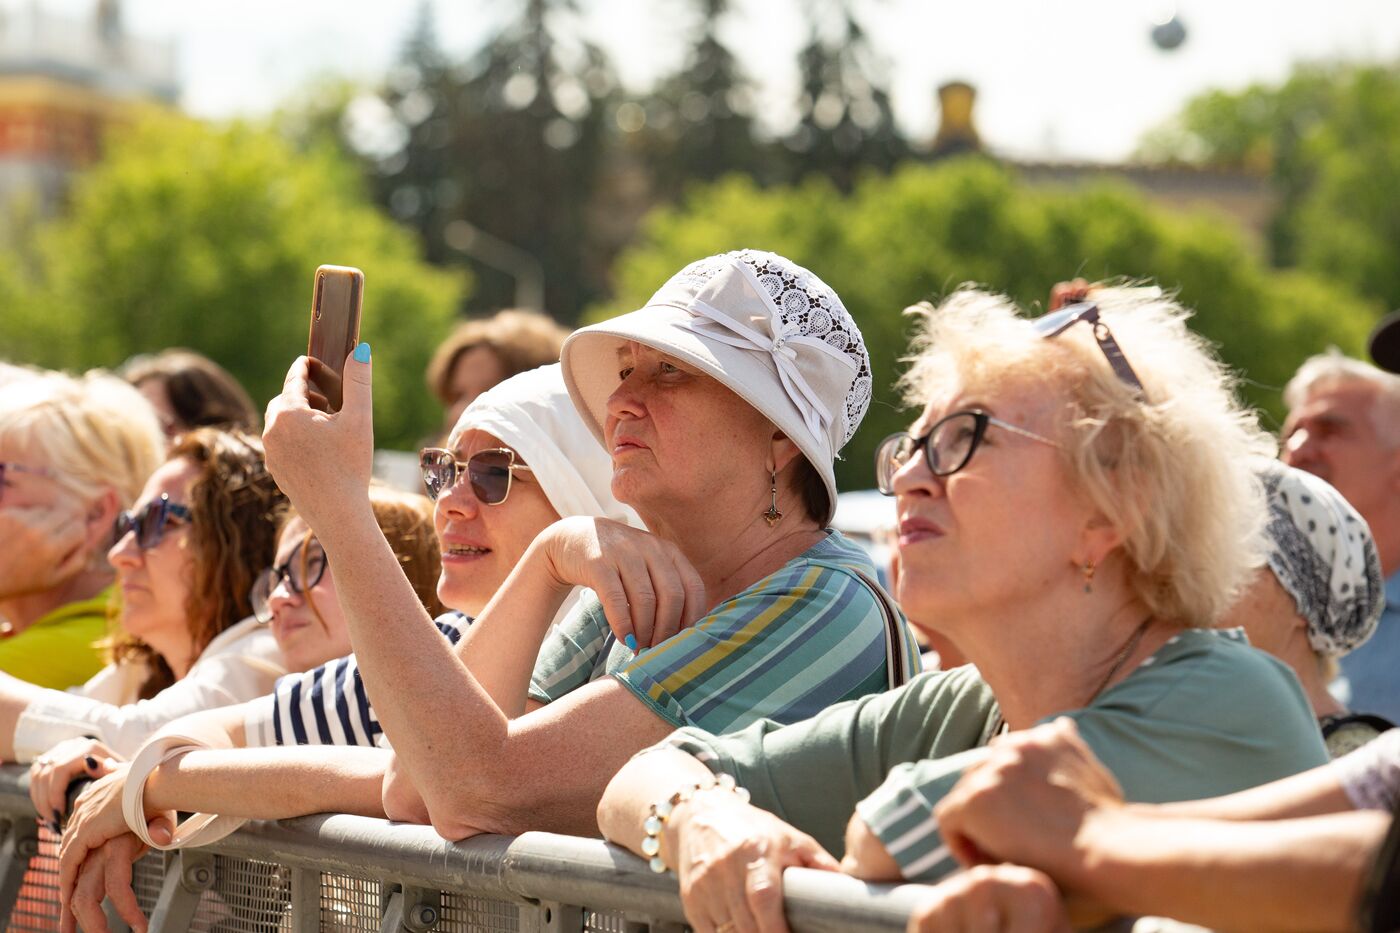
188, 390
186, 558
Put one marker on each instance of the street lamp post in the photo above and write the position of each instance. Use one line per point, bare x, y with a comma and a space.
504, 257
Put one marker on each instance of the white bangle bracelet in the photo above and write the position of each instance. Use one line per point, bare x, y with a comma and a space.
200, 829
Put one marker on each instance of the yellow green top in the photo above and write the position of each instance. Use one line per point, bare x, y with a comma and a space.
59, 649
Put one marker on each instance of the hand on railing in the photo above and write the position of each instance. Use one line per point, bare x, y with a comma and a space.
989, 898
730, 858
52, 772
96, 854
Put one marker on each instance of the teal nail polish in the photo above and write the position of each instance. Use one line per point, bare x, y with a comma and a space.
362, 353
631, 642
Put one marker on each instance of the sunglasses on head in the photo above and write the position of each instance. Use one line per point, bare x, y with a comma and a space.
1057, 322
302, 570
150, 523
489, 472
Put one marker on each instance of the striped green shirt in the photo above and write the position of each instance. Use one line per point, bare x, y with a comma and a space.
810, 635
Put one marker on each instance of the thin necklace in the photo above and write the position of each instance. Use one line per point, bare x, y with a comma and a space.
1122, 656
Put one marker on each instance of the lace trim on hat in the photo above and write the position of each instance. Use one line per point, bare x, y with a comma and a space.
809, 308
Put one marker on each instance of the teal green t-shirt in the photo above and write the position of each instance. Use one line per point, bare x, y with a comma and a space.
1205, 715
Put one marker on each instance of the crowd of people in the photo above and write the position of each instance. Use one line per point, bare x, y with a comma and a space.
618, 608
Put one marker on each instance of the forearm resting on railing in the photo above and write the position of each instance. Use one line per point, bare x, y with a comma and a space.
270, 783
1283, 875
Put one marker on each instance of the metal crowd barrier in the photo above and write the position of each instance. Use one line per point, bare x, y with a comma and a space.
350, 874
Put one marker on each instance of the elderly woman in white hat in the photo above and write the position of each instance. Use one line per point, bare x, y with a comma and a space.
722, 403
1320, 596
1077, 507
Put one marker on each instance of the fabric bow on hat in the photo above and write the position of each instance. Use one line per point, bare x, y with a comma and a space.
734, 308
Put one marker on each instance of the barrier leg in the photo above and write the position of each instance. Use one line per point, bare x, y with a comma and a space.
186, 879
18, 846
306, 901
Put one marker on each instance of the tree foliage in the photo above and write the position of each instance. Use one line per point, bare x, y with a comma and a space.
1329, 139
922, 231
207, 237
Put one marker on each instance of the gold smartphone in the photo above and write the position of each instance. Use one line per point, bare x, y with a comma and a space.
336, 301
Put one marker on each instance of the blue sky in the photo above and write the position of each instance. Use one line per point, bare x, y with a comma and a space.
1057, 78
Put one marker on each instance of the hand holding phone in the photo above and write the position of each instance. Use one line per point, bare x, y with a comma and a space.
336, 301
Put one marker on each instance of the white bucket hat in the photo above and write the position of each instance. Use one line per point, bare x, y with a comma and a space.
766, 328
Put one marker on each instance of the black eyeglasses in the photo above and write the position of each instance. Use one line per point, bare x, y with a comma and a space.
1057, 322
150, 523
948, 446
302, 570
488, 471
20, 468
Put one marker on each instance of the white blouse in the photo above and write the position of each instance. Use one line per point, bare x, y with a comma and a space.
241, 663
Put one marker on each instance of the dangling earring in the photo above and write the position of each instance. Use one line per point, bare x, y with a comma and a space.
1089, 577
773, 516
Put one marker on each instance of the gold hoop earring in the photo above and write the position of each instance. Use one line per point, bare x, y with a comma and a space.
1089, 577
773, 516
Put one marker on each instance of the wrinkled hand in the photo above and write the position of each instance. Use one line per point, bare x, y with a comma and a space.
1026, 800
991, 899
105, 874
44, 546
730, 856
84, 852
1068, 293
321, 460
866, 857
648, 588
52, 772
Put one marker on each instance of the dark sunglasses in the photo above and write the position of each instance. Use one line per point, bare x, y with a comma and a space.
150, 523
488, 471
20, 468
302, 570
948, 446
1057, 322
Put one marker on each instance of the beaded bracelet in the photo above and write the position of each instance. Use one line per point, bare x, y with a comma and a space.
660, 812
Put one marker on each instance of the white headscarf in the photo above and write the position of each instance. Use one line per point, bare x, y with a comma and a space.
532, 413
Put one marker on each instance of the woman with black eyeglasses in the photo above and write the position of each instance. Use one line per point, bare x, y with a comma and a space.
185, 558
1077, 506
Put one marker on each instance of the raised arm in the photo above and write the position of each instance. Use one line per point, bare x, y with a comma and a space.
446, 717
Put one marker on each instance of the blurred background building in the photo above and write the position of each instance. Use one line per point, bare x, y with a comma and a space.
64, 81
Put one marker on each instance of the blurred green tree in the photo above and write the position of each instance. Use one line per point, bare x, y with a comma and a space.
921, 232
1329, 139
207, 237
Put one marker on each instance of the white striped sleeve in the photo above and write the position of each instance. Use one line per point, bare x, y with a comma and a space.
900, 813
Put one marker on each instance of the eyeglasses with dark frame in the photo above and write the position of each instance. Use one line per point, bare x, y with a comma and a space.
948, 446
1057, 322
302, 570
490, 472
150, 522
20, 468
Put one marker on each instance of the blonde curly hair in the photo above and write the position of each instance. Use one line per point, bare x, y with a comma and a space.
1171, 472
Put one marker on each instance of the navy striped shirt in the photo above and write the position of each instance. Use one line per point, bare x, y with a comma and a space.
326, 705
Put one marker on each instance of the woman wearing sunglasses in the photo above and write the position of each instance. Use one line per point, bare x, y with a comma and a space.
185, 559
519, 459
296, 599
74, 452
1077, 505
